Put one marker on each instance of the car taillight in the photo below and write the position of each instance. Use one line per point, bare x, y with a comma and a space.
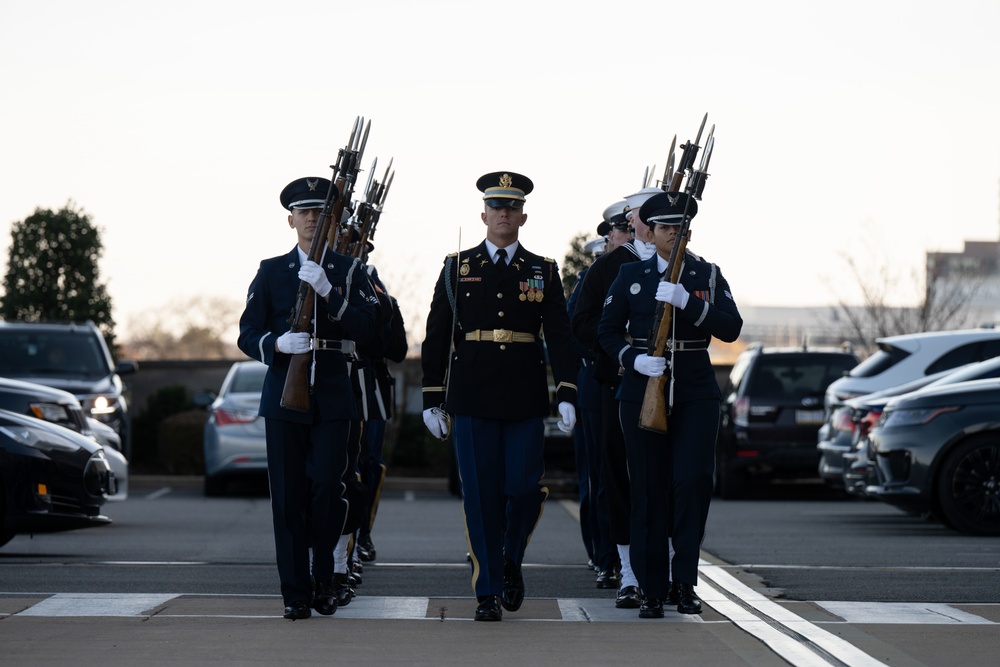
842, 420
868, 422
741, 411
224, 417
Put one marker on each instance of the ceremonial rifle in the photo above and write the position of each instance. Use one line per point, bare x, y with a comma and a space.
295, 393
655, 406
370, 210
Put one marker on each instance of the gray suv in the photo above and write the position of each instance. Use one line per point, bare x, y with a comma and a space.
72, 357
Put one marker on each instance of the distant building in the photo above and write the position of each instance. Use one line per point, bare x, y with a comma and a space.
973, 275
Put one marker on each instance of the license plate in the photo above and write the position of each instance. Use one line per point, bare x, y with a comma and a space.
808, 416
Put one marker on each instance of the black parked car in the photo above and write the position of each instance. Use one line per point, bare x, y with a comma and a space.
72, 357
51, 478
937, 451
772, 408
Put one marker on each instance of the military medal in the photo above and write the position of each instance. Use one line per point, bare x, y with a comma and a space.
634, 289
464, 269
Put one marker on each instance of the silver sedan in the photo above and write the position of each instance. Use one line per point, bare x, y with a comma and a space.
234, 434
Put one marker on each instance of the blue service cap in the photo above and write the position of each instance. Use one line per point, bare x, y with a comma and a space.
307, 192
668, 208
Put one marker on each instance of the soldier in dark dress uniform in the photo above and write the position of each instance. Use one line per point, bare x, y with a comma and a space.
307, 452
484, 361
671, 474
615, 491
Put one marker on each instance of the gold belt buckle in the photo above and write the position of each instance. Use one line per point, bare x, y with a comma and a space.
503, 336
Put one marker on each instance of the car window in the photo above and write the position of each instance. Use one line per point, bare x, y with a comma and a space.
739, 369
51, 353
978, 371
961, 355
798, 376
249, 379
990, 349
884, 358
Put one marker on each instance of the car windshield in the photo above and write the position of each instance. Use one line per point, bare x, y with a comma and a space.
25, 354
249, 379
798, 376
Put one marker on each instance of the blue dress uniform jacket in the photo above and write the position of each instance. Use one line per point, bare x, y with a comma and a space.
349, 315
498, 380
630, 308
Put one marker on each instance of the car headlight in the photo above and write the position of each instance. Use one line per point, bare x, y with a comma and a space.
51, 412
912, 417
102, 405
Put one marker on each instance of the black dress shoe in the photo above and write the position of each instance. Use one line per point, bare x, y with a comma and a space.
513, 587
325, 598
651, 608
674, 596
297, 610
628, 598
687, 601
489, 609
609, 578
365, 549
343, 588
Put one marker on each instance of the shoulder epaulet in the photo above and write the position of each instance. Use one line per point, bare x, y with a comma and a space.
454, 254
549, 259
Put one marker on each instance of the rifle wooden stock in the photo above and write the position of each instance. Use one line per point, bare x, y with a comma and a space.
653, 416
295, 393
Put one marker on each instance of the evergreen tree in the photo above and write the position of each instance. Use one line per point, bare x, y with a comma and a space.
52, 273
577, 259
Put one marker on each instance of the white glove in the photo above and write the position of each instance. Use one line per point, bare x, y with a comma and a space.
313, 273
438, 422
672, 293
650, 366
568, 414
293, 343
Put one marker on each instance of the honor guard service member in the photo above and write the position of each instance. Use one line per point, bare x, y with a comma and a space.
497, 310
614, 465
307, 451
671, 473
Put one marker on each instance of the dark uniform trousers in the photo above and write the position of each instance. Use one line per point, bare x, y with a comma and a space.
685, 456
614, 469
499, 459
319, 451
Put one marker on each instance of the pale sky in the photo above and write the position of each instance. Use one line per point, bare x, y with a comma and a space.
840, 128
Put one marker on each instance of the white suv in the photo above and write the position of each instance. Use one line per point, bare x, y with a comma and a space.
907, 357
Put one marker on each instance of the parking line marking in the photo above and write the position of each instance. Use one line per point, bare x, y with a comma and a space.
97, 604
831, 649
902, 613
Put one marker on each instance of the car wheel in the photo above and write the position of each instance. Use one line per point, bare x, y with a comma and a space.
968, 489
215, 486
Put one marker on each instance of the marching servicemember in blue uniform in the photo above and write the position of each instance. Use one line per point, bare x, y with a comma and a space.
498, 311
307, 452
615, 496
671, 473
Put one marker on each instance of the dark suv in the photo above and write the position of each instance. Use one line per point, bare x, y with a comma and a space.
772, 408
74, 358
